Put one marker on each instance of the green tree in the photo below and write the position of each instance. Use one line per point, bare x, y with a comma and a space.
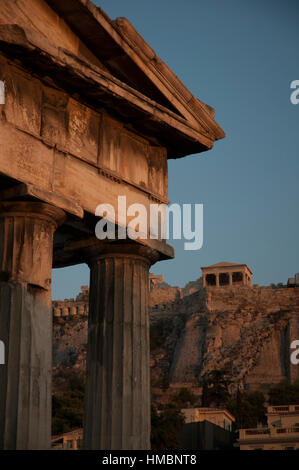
284, 394
157, 337
215, 388
184, 398
166, 425
248, 409
67, 407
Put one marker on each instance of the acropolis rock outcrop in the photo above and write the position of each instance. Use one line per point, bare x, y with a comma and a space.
244, 330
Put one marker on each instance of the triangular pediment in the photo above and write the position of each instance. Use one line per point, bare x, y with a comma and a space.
123, 51
37, 16
223, 264
108, 64
226, 264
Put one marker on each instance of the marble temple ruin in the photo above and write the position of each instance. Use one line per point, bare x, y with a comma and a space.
90, 113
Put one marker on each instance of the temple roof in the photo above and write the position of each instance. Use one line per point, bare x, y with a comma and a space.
225, 264
128, 77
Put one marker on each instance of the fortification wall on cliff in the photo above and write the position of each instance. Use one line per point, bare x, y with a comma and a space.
161, 296
246, 331
72, 307
262, 298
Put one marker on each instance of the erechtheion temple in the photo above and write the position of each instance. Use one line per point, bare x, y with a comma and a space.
226, 274
90, 113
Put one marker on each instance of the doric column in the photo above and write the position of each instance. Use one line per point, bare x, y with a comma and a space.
117, 406
217, 279
26, 246
230, 278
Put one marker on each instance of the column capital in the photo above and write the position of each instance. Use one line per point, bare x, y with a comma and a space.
26, 241
100, 250
37, 210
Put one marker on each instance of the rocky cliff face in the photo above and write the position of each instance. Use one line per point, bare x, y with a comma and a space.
245, 330
69, 348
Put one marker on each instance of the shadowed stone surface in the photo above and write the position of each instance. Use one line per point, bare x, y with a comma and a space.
117, 408
90, 114
26, 237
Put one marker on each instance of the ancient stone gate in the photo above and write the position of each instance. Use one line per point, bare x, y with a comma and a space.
90, 113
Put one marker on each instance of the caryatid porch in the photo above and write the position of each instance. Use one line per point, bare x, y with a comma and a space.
90, 114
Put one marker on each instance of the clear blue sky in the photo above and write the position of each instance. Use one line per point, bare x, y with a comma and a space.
239, 56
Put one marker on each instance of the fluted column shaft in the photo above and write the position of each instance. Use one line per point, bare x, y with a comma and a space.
117, 406
26, 246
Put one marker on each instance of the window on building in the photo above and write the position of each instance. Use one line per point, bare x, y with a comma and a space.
223, 279
69, 444
237, 278
211, 279
227, 425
